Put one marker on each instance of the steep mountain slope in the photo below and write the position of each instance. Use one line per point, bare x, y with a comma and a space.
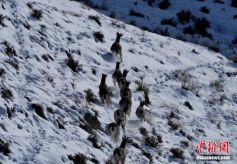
43, 111
179, 19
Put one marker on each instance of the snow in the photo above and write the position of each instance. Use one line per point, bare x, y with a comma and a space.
33, 139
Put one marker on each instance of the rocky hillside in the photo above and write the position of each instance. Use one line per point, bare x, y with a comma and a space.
52, 56
211, 23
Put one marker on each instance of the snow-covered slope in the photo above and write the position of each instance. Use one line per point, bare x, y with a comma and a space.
36, 78
221, 35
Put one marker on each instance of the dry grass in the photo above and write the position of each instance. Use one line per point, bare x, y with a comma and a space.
169, 105
141, 86
218, 85
187, 81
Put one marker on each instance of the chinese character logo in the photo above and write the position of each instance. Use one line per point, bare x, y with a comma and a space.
201, 146
213, 150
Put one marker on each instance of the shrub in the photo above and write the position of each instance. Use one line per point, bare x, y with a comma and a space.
168, 21
86, 127
30, 5
37, 14
189, 30
137, 14
188, 105
3, 7
159, 137
109, 161
78, 158
184, 143
143, 131
182, 74
50, 110
234, 3
146, 28
47, 57
93, 71
2, 72
184, 16
39, 110
2, 18
94, 140
79, 52
136, 145
6, 93
10, 111
90, 96
201, 22
132, 23
96, 19
152, 141
195, 51
163, 32
4, 148
235, 40
230, 74
190, 138
9, 50
132, 51
60, 124
71, 63
204, 9
150, 2
165, 4
14, 63
214, 48
201, 131
98, 36
218, 1
3, 126
112, 14
182, 132
177, 153
201, 25
94, 160
135, 69
148, 155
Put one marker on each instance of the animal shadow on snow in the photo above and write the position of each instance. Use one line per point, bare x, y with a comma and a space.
108, 57
134, 123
